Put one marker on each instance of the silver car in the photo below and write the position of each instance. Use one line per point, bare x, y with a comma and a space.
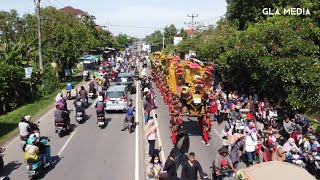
116, 98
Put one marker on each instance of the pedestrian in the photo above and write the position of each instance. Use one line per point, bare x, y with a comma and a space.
191, 168
151, 134
155, 167
152, 98
147, 108
250, 147
170, 165
183, 144
226, 135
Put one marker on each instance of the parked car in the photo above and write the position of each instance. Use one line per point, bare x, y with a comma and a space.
116, 98
126, 79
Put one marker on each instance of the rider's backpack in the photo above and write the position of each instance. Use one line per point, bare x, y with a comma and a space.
100, 107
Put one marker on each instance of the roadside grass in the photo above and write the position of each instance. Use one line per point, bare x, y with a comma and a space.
9, 122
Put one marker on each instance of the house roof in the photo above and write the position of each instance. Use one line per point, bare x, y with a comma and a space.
189, 31
73, 11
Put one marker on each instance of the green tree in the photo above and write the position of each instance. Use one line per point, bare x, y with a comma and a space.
169, 33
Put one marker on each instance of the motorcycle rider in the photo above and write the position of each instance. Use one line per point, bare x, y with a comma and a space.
222, 156
100, 107
24, 128
69, 87
79, 106
235, 114
92, 87
83, 94
129, 114
62, 115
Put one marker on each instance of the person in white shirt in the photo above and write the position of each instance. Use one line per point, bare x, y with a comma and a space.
250, 147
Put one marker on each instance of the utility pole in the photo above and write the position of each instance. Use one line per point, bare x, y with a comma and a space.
37, 2
192, 23
163, 38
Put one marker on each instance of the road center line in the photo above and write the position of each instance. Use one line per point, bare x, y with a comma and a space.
67, 142
137, 134
159, 137
95, 102
218, 134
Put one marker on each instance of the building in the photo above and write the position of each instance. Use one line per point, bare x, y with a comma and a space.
77, 12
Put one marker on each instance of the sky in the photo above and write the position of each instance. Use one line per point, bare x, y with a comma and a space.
139, 13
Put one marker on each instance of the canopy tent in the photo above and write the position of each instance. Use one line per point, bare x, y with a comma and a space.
274, 170
89, 59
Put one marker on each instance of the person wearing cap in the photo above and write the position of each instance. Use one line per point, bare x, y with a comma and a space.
312, 142
223, 155
289, 145
250, 147
31, 150
293, 154
24, 127
249, 129
44, 150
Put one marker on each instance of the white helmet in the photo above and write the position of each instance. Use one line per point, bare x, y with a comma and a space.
27, 118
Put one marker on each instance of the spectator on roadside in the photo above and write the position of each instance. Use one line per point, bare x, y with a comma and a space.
250, 147
151, 134
155, 167
288, 127
191, 168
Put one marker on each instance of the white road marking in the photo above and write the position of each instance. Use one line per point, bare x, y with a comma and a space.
65, 144
159, 137
218, 134
137, 136
95, 102
18, 137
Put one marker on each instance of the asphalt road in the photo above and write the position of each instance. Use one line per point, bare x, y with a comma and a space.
88, 152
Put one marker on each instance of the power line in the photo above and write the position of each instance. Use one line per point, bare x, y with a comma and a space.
192, 23
53, 4
60, 3
140, 27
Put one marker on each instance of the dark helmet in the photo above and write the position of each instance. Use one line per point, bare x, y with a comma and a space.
78, 98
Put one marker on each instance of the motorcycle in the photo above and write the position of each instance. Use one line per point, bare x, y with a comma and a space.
60, 128
1, 158
34, 128
34, 168
226, 174
101, 121
130, 124
92, 93
79, 116
238, 126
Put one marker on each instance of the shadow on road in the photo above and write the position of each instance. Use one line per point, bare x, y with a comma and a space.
11, 166
55, 160
107, 120
192, 127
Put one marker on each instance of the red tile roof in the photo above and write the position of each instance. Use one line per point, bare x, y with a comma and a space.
73, 11
189, 31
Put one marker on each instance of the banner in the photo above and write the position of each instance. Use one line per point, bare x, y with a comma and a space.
28, 72
177, 40
67, 72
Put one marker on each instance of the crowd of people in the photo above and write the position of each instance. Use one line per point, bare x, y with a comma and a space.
264, 136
